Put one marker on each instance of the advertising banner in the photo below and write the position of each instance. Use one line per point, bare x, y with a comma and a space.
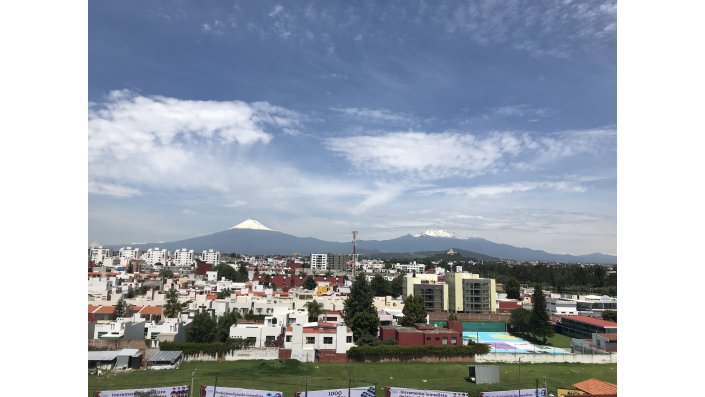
207, 391
170, 391
358, 391
401, 392
569, 392
540, 392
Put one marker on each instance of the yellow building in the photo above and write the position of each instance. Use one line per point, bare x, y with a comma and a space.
427, 286
468, 293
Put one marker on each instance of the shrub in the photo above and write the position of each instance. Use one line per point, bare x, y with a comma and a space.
385, 350
211, 349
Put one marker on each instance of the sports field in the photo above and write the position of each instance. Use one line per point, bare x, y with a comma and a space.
290, 376
504, 342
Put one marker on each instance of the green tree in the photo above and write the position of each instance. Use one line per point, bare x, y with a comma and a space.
242, 275
120, 308
380, 286
225, 293
130, 292
227, 271
540, 320
166, 273
364, 324
452, 317
315, 309
396, 286
358, 311
609, 315
227, 320
202, 329
520, 320
172, 307
511, 287
266, 281
414, 311
309, 283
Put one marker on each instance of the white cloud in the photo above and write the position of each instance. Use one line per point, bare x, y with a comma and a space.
429, 156
159, 141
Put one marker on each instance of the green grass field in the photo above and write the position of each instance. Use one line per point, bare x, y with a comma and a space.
291, 376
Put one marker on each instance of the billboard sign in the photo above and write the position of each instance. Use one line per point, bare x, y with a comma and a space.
540, 392
170, 391
207, 391
359, 391
401, 392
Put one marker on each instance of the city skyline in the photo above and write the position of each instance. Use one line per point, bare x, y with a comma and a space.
488, 120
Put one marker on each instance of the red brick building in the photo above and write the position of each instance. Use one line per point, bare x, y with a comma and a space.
422, 335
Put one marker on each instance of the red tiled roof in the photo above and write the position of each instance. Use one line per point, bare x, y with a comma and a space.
137, 308
156, 310
91, 308
508, 304
105, 310
593, 321
212, 297
596, 386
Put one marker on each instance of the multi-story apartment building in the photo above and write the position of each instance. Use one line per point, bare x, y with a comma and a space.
155, 255
127, 254
211, 256
319, 261
427, 286
183, 258
468, 293
410, 267
101, 255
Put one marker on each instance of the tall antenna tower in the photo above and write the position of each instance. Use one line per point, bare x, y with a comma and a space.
354, 258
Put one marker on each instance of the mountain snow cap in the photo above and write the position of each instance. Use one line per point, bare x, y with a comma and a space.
436, 233
251, 224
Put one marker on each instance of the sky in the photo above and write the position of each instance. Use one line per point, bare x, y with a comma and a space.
492, 119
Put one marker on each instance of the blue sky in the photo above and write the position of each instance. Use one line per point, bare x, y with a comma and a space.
493, 119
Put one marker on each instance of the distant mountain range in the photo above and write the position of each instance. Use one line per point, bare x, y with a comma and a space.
253, 238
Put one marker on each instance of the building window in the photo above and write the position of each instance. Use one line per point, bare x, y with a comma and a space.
288, 338
444, 341
327, 340
454, 340
348, 339
310, 340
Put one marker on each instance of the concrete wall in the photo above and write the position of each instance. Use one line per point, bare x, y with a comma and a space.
546, 358
266, 353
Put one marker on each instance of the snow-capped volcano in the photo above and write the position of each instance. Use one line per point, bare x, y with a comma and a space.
251, 224
437, 233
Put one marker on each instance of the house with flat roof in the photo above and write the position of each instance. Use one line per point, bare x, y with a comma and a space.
584, 326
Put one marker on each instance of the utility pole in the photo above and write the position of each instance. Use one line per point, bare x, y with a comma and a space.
545, 386
349, 383
305, 390
216, 385
192, 375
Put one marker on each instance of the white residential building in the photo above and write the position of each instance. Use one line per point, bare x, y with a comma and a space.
211, 256
127, 254
561, 306
156, 255
260, 334
319, 261
183, 258
304, 340
101, 255
410, 267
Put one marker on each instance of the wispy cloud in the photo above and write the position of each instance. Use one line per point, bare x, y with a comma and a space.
508, 188
555, 28
430, 156
375, 115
